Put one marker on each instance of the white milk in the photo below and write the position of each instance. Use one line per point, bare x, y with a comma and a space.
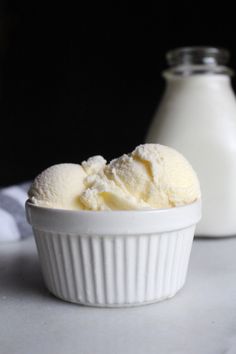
197, 117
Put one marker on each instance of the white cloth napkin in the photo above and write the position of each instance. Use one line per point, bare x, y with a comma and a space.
13, 223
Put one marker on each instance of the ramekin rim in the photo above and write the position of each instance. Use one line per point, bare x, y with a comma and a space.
113, 212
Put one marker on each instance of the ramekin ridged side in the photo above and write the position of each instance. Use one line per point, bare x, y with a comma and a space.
112, 270
119, 271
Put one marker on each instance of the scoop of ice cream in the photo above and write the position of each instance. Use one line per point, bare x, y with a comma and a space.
157, 175
59, 186
102, 193
134, 178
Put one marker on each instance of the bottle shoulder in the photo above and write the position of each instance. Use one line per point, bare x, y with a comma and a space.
192, 101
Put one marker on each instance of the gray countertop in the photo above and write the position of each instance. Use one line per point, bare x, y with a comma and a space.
201, 318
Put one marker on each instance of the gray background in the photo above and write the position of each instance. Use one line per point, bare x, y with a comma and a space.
201, 318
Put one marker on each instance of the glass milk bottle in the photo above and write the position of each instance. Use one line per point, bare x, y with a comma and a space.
197, 116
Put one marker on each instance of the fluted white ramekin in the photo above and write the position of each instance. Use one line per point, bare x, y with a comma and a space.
114, 258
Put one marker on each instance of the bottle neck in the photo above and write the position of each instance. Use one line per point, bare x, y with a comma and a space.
198, 83
183, 71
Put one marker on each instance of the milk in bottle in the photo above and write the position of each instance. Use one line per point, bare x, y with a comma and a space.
197, 116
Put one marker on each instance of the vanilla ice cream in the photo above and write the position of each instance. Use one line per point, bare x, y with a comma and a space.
152, 176
156, 175
94, 164
59, 186
102, 193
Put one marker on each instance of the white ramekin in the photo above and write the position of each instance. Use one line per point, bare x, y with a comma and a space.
114, 258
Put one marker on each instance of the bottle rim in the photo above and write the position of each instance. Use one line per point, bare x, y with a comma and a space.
198, 55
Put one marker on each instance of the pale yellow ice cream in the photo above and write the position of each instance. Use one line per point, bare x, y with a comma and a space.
59, 186
152, 176
157, 175
94, 164
102, 193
